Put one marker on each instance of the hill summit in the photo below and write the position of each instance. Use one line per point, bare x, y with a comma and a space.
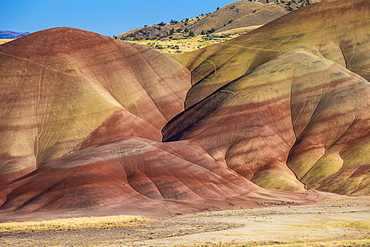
232, 16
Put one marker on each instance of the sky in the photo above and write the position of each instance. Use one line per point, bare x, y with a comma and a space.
106, 17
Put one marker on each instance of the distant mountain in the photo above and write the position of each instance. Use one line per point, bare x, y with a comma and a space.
235, 15
11, 34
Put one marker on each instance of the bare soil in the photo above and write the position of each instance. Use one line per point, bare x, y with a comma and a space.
346, 221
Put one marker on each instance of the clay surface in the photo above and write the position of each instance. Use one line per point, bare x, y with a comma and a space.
273, 116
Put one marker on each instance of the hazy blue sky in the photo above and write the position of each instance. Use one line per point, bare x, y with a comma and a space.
108, 17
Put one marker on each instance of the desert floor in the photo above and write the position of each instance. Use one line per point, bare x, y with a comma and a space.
333, 223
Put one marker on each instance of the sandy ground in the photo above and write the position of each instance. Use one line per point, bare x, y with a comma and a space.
338, 221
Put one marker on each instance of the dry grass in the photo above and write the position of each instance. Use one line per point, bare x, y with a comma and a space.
346, 243
3, 41
178, 46
239, 30
360, 224
74, 223
191, 44
329, 223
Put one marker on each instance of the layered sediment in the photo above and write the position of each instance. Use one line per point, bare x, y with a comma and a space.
270, 116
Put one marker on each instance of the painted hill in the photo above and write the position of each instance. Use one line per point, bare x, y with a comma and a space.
81, 119
64, 89
284, 107
268, 117
235, 15
132, 175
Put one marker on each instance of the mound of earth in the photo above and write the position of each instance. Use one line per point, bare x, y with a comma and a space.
232, 16
64, 89
286, 105
132, 175
263, 119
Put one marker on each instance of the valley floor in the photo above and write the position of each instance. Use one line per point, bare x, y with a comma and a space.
335, 223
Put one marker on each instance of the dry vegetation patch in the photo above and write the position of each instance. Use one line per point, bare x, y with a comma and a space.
3, 41
173, 46
355, 243
335, 225
74, 223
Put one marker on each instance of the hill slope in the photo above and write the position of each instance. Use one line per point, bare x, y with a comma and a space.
81, 116
235, 15
297, 93
59, 95
270, 116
